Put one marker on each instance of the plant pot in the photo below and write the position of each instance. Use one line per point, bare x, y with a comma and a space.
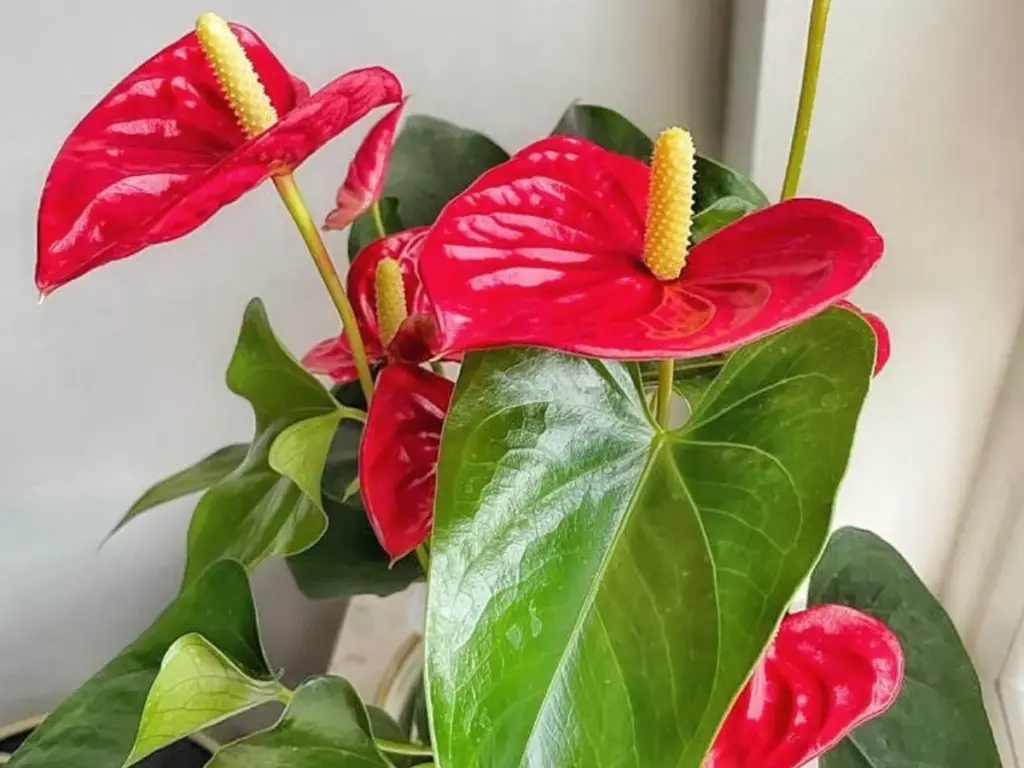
194, 752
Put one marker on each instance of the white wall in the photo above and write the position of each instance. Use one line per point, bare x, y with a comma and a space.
117, 380
920, 125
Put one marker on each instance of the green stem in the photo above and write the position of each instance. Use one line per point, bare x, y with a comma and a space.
808, 90
424, 557
436, 367
284, 694
378, 220
404, 748
666, 372
292, 198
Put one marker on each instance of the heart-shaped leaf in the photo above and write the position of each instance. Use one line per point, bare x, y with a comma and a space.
198, 686
198, 477
600, 588
432, 161
938, 720
364, 229
96, 725
348, 560
255, 513
713, 181
718, 215
324, 726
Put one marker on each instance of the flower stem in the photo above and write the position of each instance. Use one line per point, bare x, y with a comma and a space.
378, 219
808, 90
423, 555
292, 198
666, 371
403, 748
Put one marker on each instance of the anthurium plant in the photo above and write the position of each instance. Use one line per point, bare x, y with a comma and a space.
599, 394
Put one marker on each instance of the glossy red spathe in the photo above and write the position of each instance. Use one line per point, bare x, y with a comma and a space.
829, 669
546, 250
162, 152
416, 340
364, 182
883, 341
398, 455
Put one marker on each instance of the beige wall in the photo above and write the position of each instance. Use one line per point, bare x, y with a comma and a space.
920, 124
117, 380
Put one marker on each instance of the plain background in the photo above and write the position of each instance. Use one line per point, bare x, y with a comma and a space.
117, 380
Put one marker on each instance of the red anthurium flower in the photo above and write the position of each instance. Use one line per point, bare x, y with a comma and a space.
398, 454
548, 249
829, 669
415, 341
882, 338
163, 151
364, 182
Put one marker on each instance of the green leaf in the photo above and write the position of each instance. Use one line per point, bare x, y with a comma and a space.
715, 181
607, 128
198, 686
324, 726
364, 229
301, 451
601, 589
614, 132
939, 719
348, 560
718, 215
433, 161
255, 513
385, 727
198, 477
96, 725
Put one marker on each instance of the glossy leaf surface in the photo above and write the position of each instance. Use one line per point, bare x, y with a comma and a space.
200, 476
938, 720
348, 560
600, 590
398, 456
324, 726
96, 725
556, 234
364, 181
364, 228
197, 687
829, 669
609, 129
432, 161
255, 513
162, 152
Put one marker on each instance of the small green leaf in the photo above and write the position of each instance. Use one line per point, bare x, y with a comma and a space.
713, 181
301, 451
255, 513
600, 590
364, 229
433, 161
96, 725
938, 720
324, 726
607, 128
348, 560
198, 477
718, 215
198, 686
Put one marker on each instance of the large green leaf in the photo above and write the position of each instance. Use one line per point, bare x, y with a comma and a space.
364, 229
939, 719
348, 560
713, 181
198, 477
255, 513
601, 589
324, 726
96, 726
432, 161
198, 686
